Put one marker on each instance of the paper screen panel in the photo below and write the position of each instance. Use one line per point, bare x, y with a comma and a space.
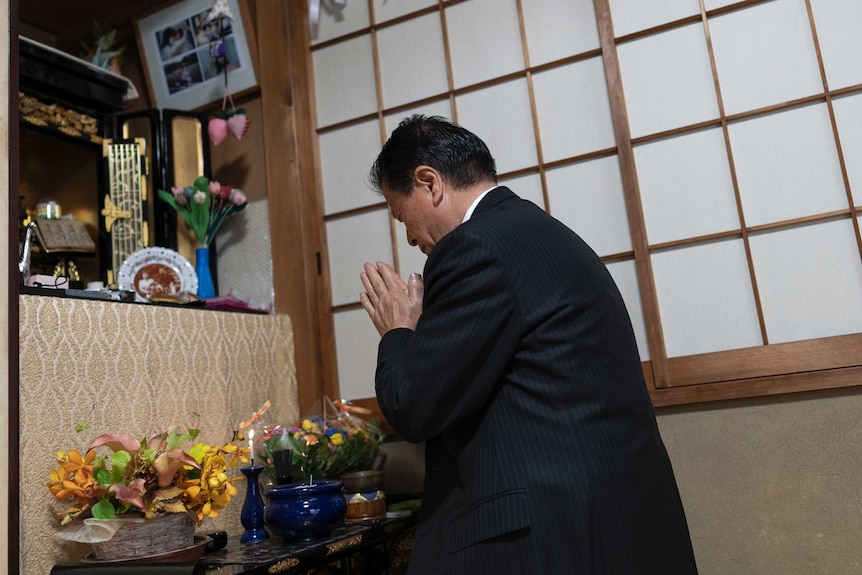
848, 116
438, 108
484, 40
411, 74
506, 126
786, 165
528, 186
346, 156
810, 281
625, 276
705, 298
559, 28
352, 241
765, 55
356, 341
588, 198
384, 11
573, 110
713, 4
338, 20
634, 15
667, 80
344, 80
685, 186
838, 23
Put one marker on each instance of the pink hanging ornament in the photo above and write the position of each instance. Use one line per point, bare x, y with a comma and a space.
217, 129
237, 125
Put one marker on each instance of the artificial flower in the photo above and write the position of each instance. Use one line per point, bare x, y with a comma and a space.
205, 206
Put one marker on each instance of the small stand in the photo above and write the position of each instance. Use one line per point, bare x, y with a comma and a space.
252, 509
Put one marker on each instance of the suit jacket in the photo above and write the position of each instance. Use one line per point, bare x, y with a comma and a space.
524, 380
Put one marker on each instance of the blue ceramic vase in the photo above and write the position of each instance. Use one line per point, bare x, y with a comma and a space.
299, 511
206, 287
251, 515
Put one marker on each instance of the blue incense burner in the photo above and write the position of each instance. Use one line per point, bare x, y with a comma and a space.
302, 511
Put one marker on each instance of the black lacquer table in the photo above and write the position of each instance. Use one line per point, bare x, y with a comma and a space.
369, 548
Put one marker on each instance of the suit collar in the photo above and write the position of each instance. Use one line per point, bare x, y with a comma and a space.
493, 198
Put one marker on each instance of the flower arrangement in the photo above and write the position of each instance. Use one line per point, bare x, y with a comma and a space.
151, 476
205, 205
326, 447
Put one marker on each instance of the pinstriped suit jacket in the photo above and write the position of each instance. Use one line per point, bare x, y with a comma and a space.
524, 380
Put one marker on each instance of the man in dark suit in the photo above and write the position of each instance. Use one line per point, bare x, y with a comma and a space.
516, 363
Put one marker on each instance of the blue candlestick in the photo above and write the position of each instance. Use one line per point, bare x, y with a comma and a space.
252, 509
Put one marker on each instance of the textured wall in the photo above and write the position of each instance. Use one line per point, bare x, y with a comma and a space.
137, 369
245, 256
772, 484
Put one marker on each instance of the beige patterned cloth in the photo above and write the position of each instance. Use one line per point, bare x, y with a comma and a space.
137, 369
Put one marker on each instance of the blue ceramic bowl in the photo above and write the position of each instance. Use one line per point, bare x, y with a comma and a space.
302, 511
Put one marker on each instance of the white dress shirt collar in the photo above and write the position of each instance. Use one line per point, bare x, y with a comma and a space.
475, 203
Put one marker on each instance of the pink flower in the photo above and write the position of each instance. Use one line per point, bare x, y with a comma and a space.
237, 198
116, 443
132, 493
169, 462
215, 188
179, 195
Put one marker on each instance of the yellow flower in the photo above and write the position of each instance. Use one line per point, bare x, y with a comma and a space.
336, 439
309, 426
74, 478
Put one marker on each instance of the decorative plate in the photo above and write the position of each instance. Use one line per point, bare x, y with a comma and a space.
156, 271
184, 555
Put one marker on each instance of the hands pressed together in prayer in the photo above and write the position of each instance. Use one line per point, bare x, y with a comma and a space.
389, 301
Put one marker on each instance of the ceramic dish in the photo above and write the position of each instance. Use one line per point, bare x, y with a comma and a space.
188, 554
156, 272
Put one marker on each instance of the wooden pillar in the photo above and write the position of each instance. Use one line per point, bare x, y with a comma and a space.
292, 184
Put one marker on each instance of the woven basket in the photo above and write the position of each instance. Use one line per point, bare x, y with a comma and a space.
167, 532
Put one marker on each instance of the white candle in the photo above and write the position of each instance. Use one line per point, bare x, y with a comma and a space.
251, 445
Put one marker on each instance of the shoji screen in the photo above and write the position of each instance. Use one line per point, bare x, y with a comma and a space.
707, 150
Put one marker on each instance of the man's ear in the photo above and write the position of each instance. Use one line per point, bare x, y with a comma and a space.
428, 180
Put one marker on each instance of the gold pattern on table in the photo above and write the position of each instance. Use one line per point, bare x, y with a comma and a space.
283, 565
343, 544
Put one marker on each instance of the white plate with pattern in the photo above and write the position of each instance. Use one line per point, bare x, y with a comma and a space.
157, 271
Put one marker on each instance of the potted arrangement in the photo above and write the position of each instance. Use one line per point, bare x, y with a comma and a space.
326, 448
129, 497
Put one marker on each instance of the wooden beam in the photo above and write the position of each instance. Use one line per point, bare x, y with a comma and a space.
289, 147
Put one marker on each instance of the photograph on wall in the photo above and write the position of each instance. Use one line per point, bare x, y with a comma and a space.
191, 49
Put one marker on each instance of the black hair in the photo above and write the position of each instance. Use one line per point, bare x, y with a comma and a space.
458, 154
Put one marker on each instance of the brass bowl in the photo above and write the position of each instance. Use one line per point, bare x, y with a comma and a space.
363, 481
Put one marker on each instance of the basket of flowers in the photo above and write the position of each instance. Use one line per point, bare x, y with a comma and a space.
131, 497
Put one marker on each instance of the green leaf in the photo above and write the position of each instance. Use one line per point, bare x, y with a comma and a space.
197, 216
103, 509
103, 476
119, 461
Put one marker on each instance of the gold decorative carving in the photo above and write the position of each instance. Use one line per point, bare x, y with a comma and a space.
112, 213
400, 548
343, 544
283, 565
66, 120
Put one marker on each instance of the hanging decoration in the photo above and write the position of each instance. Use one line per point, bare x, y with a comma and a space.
232, 121
314, 9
